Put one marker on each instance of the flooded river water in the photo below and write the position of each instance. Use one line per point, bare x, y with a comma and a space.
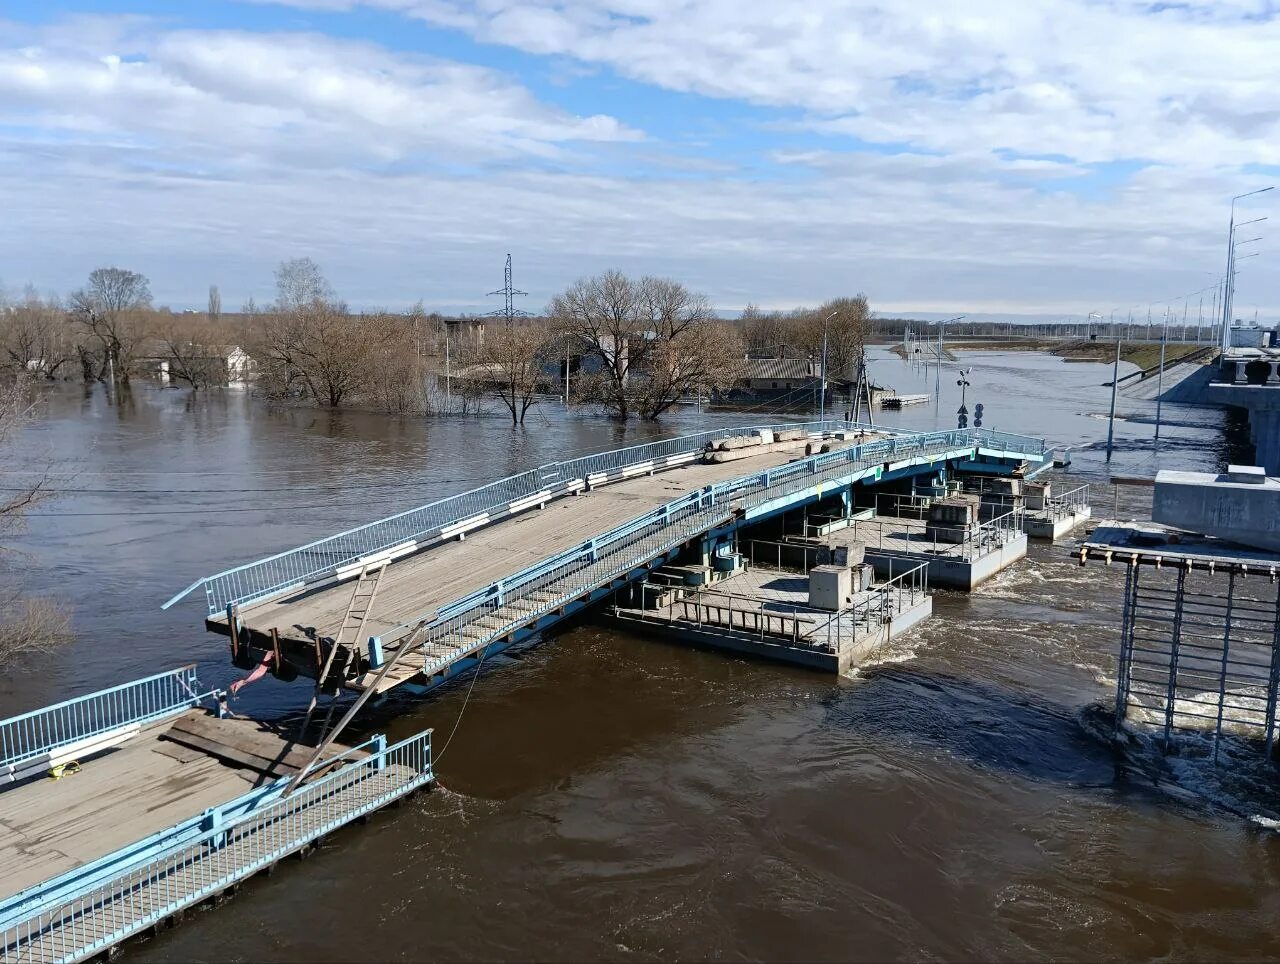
615, 797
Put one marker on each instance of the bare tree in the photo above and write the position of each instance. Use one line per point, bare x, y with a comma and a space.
509, 363
311, 345
395, 380
764, 331
106, 309
653, 341
319, 352
707, 357
300, 282
845, 321
34, 337
215, 304
27, 625
604, 315
848, 323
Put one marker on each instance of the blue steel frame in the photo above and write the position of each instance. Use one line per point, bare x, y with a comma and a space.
406, 531
30, 735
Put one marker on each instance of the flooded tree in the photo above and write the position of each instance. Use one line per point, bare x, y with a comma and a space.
845, 321
107, 311
647, 343
35, 338
27, 624
511, 364
310, 346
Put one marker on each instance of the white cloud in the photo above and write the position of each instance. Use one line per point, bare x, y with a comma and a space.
204, 156
239, 97
1095, 81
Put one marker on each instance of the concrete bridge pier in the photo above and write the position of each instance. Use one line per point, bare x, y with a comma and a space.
1263, 405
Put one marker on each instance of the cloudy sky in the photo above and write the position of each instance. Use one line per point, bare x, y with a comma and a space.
1018, 156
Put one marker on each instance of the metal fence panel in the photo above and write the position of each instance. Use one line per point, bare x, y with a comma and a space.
74, 721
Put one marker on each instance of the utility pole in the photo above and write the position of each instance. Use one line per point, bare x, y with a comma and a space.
448, 395
508, 309
567, 342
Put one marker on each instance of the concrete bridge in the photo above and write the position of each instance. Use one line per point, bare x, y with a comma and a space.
1250, 379
432, 589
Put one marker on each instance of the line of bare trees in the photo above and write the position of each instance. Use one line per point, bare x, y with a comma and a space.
638, 346
632, 347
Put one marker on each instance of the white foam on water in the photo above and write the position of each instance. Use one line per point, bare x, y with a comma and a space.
1241, 782
883, 659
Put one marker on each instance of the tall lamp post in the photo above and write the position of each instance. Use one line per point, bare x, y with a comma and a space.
1234, 270
937, 380
1228, 294
822, 402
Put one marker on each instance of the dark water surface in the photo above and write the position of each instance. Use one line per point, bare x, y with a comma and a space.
609, 796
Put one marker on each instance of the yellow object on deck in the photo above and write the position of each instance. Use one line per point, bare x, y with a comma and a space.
64, 770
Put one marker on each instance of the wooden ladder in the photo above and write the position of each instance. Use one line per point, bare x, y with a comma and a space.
350, 630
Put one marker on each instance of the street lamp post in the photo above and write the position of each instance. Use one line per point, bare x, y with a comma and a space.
822, 402
1164, 338
937, 379
1228, 294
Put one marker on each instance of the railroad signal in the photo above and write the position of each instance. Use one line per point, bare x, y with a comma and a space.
977, 415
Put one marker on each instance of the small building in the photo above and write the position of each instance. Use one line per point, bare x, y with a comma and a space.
776, 378
241, 366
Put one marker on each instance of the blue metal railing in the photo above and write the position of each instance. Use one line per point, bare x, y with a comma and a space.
258, 580
470, 623
80, 914
403, 532
31, 735
1010, 442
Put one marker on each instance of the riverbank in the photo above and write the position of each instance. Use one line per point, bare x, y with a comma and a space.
1141, 353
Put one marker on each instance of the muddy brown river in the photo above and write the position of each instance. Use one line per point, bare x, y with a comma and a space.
608, 796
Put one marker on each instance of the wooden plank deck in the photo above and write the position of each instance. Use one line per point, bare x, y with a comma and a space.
151, 783
417, 584
74, 933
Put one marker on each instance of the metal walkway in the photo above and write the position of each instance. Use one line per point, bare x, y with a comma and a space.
512, 557
90, 860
